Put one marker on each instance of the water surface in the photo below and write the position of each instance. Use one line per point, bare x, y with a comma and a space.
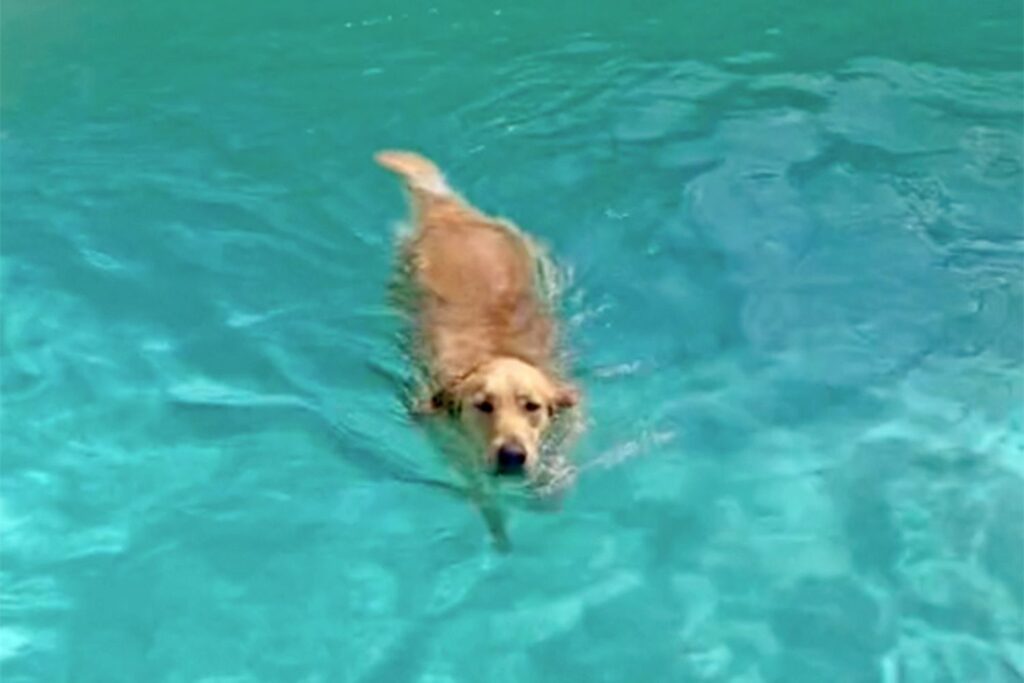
793, 233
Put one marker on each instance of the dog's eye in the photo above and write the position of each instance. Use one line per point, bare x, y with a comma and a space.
531, 406
485, 407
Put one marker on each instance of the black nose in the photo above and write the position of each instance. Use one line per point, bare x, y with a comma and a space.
511, 459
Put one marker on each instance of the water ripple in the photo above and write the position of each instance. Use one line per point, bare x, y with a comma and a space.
795, 304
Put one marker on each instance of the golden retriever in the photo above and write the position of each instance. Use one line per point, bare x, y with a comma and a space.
486, 335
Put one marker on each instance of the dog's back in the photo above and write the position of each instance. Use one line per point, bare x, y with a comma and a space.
475, 275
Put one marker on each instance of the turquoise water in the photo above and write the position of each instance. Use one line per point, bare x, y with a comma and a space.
793, 233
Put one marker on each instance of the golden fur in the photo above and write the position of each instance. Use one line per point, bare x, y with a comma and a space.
487, 337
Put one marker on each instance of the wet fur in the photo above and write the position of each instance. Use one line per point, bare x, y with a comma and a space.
484, 331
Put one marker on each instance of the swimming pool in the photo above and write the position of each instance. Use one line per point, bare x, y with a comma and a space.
793, 238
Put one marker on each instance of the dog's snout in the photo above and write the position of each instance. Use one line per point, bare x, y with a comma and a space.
510, 459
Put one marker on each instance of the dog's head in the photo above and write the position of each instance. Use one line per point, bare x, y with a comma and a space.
508, 405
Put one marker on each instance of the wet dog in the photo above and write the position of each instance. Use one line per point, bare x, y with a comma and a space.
485, 333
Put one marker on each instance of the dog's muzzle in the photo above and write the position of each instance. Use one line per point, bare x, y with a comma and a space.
510, 459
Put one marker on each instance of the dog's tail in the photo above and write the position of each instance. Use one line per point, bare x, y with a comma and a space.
420, 174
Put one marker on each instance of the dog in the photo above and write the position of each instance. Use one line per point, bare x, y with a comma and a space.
485, 334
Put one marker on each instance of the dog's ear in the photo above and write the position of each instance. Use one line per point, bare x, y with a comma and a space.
567, 396
436, 402
447, 400
440, 399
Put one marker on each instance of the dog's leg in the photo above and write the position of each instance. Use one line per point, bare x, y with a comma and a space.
495, 521
486, 501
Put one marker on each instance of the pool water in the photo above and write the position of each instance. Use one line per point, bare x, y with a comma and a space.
793, 238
